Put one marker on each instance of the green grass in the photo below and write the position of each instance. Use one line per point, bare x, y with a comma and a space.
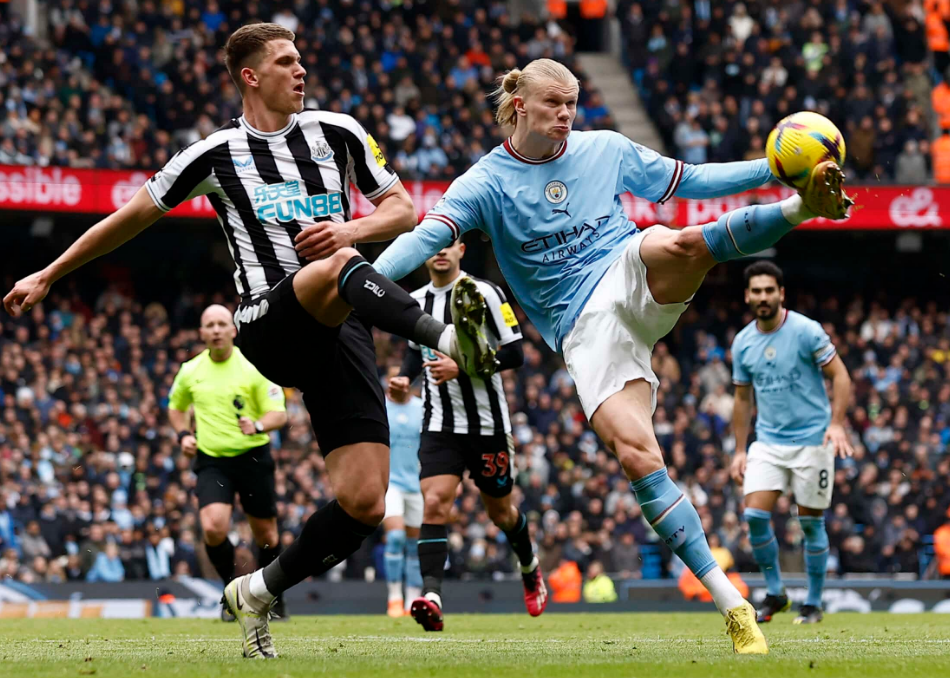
509, 646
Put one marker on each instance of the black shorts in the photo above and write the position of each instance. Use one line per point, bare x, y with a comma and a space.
251, 475
334, 367
487, 458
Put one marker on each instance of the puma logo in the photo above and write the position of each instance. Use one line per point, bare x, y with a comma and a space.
563, 211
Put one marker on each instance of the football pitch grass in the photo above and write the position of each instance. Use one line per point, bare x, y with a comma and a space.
569, 645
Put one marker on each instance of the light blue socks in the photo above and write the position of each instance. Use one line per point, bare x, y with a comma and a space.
413, 574
395, 555
749, 230
675, 520
765, 548
816, 556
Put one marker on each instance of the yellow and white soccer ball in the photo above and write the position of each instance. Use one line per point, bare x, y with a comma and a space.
798, 143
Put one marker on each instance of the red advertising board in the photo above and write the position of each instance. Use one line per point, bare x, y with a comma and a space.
56, 189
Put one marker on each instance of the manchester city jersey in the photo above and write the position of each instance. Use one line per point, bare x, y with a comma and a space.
405, 428
556, 224
784, 368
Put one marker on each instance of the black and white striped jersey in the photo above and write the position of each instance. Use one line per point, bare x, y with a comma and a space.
267, 186
467, 404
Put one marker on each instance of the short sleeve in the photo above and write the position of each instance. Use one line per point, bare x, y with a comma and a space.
501, 319
184, 177
819, 344
740, 375
646, 173
367, 166
270, 396
179, 398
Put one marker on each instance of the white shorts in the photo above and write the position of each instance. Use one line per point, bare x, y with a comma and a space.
405, 505
807, 471
612, 341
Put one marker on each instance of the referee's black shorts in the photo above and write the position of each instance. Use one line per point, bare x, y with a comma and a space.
251, 475
334, 367
488, 459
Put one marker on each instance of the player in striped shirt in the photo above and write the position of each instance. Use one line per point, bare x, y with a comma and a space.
465, 426
278, 178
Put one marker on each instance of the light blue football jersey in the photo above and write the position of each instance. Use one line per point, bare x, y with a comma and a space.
558, 224
784, 368
405, 427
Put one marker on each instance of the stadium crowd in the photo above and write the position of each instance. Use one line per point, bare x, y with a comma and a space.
717, 76
93, 485
125, 84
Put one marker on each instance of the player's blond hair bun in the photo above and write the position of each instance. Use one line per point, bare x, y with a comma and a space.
520, 82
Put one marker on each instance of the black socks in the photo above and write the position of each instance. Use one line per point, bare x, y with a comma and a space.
384, 304
330, 535
433, 550
222, 557
520, 540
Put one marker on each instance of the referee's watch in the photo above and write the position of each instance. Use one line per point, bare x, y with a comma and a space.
258, 426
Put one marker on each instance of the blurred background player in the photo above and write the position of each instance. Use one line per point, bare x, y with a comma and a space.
600, 290
784, 356
403, 498
466, 426
279, 179
235, 409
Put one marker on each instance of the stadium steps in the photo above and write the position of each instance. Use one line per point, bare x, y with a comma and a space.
620, 95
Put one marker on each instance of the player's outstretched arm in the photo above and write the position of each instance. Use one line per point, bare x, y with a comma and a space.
410, 250
713, 180
116, 229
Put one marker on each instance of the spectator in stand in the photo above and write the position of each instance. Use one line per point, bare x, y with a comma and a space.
107, 566
942, 549
847, 61
119, 92
911, 167
599, 588
940, 150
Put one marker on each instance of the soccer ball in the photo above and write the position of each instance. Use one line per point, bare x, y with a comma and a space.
798, 143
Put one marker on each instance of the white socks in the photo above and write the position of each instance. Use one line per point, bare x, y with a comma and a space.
258, 589
525, 569
412, 592
395, 590
725, 595
435, 598
445, 341
794, 210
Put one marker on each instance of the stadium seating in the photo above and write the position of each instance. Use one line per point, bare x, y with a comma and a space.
715, 77
128, 83
87, 457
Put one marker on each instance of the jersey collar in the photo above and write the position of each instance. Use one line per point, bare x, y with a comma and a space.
267, 135
777, 327
533, 161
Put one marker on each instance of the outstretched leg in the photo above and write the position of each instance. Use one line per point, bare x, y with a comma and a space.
677, 261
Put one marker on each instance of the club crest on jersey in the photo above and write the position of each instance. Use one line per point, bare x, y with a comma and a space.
321, 151
770, 353
555, 192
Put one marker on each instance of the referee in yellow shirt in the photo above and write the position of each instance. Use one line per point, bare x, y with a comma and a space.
235, 408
